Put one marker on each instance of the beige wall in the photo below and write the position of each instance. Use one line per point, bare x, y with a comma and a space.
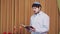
58, 3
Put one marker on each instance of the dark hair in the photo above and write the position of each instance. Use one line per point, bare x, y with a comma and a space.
36, 5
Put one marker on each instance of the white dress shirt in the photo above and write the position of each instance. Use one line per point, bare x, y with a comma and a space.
40, 22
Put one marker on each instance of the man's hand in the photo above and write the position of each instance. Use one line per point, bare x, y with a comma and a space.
32, 29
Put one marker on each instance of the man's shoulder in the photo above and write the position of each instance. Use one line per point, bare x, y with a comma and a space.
45, 14
32, 15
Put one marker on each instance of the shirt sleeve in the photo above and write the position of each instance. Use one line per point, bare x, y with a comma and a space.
30, 21
45, 26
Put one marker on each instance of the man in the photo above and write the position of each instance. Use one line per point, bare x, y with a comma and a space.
39, 20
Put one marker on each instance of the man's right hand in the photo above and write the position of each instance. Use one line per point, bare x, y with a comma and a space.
32, 29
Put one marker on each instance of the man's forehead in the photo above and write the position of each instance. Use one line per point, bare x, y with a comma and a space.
34, 7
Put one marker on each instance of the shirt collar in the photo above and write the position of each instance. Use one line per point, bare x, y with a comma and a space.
40, 12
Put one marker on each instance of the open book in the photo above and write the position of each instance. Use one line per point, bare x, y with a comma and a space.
27, 27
